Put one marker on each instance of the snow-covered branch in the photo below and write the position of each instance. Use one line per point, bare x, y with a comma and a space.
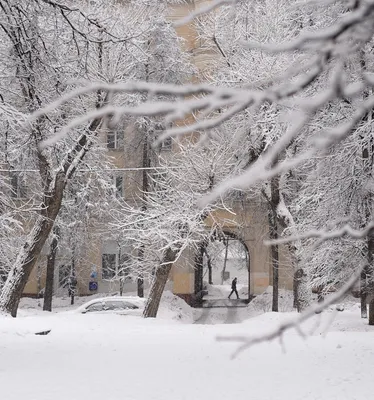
202, 11
325, 234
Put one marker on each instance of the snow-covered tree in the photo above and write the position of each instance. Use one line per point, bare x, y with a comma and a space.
329, 69
47, 47
165, 221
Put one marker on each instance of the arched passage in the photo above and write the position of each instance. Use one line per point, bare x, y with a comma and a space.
217, 262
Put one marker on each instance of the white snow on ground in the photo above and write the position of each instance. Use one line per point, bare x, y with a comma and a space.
108, 356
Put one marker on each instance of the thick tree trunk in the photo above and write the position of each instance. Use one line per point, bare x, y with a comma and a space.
371, 311
158, 284
366, 277
28, 256
48, 290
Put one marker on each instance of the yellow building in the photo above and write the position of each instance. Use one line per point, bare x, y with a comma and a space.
187, 278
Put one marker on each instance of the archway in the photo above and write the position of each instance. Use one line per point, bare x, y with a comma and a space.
217, 263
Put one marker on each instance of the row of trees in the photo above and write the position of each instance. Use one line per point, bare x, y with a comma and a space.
47, 49
304, 137
290, 121
310, 152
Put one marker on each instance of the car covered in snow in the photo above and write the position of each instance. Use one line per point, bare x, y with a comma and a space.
129, 305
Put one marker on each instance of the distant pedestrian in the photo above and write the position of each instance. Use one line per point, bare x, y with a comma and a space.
233, 287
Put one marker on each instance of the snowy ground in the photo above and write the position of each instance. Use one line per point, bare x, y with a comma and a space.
97, 356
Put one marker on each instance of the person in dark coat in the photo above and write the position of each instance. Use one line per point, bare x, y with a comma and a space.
233, 287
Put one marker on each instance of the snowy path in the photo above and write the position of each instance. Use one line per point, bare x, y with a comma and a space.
221, 315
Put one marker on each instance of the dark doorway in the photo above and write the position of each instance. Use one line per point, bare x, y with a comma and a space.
218, 262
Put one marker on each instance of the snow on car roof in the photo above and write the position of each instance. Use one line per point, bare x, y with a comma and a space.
132, 299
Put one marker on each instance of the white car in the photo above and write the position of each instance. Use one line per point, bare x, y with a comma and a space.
118, 305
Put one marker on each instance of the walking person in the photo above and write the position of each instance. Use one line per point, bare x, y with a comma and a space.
233, 288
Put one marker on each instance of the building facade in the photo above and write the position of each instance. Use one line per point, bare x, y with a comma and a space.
103, 255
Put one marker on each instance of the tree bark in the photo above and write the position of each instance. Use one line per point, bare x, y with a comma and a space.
146, 163
296, 288
140, 284
369, 276
273, 233
366, 277
275, 265
371, 311
363, 294
158, 284
199, 258
140, 279
48, 290
226, 242
73, 278
210, 269
304, 292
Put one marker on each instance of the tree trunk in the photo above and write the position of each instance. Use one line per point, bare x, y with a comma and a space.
28, 256
304, 292
48, 290
226, 241
140, 280
371, 311
363, 293
73, 274
199, 257
296, 288
366, 282
140, 284
273, 233
158, 284
146, 163
275, 264
72, 286
369, 276
210, 270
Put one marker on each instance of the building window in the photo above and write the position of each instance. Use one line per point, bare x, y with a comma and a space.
123, 268
237, 195
19, 189
3, 273
115, 260
108, 265
119, 186
167, 144
160, 183
63, 275
114, 139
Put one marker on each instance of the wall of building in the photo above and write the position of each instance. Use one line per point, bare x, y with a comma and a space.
250, 222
